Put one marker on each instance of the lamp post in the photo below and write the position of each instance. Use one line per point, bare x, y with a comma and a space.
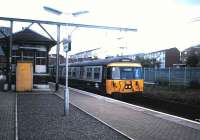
67, 48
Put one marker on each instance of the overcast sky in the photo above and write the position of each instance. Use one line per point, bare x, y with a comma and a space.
161, 24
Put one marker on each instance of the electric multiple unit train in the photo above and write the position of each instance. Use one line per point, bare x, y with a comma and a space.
107, 76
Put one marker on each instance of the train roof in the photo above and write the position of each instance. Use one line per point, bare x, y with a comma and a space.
101, 62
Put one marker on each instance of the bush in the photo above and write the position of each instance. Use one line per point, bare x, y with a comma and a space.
194, 84
162, 82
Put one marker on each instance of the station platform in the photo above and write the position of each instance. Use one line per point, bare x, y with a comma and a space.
39, 116
135, 122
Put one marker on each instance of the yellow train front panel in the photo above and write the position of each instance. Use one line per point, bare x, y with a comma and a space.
124, 86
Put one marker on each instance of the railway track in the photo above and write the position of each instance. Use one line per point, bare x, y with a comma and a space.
169, 107
173, 108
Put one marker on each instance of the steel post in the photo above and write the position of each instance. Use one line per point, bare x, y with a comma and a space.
66, 96
57, 57
169, 75
10, 57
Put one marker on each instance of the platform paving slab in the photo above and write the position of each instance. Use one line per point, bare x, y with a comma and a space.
137, 124
40, 117
7, 116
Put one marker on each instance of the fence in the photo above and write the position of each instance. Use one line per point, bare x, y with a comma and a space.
172, 76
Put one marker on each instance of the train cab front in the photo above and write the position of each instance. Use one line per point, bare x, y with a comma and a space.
124, 80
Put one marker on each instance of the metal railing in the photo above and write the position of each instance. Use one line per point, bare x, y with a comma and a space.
172, 76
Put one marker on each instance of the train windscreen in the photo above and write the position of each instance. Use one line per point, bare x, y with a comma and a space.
126, 73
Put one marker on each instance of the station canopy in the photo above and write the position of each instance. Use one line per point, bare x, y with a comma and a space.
28, 36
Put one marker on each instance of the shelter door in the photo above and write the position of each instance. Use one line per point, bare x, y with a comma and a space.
24, 76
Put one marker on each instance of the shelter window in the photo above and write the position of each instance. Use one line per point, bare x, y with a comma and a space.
41, 54
40, 61
28, 53
16, 53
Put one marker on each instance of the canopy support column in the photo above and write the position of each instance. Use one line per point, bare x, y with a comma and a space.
10, 56
57, 57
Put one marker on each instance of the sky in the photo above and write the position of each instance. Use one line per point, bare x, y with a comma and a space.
161, 24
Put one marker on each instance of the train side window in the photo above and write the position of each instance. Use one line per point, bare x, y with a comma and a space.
96, 73
89, 73
74, 72
69, 72
77, 72
64, 71
81, 72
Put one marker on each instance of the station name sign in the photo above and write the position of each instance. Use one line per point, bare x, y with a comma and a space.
67, 44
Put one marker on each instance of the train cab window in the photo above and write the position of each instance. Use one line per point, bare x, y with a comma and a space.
126, 73
115, 73
138, 73
89, 73
96, 73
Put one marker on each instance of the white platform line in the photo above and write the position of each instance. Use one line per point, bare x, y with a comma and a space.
16, 119
99, 119
120, 102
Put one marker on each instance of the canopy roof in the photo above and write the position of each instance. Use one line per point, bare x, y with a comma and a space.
28, 36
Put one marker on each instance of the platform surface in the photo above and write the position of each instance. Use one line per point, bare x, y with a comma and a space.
40, 117
136, 122
7, 116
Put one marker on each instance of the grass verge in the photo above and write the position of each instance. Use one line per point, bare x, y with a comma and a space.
178, 94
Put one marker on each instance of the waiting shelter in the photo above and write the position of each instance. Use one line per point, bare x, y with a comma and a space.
28, 46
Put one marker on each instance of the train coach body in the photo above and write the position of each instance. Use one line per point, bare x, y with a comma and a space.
119, 75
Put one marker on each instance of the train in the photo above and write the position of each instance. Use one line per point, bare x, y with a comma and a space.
105, 76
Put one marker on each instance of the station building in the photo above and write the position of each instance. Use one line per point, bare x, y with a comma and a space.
27, 45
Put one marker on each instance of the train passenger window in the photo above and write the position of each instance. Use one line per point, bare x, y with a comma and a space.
89, 73
74, 72
81, 72
96, 73
69, 72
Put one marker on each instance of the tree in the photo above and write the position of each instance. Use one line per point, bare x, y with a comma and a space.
192, 60
148, 62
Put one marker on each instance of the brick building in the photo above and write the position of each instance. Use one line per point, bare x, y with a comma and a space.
166, 57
